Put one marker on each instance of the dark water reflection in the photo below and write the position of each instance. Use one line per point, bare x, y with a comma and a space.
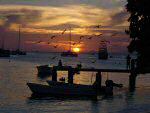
15, 96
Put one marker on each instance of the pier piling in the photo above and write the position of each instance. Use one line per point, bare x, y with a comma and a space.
70, 75
132, 82
132, 76
71, 72
98, 80
54, 74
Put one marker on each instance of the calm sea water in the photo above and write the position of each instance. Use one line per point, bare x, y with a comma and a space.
16, 71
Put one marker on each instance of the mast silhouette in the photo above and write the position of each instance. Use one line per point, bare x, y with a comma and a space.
69, 53
70, 40
18, 51
3, 52
19, 39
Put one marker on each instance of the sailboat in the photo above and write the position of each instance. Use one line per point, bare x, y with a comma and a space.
18, 52
3, 52
69, 53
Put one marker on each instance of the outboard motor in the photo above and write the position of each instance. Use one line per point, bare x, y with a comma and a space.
109, 87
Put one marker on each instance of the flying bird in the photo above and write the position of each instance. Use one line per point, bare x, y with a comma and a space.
97, 26
53, 36
55, 46
48, 43
81, 37
90, 38
39, 41
74, 43
63, 31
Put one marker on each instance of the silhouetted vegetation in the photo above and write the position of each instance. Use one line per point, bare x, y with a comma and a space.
139, 31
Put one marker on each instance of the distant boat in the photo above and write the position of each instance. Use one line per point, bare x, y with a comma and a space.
102, 52
62, 89
69, 53
18, 52
3, 52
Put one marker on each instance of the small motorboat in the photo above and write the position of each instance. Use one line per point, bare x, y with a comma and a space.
4, 53
62, 89
69, 54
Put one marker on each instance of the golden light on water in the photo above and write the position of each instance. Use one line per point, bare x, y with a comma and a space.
76, 49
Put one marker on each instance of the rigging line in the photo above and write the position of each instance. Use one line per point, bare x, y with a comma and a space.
92, 76
70, 38
107, 75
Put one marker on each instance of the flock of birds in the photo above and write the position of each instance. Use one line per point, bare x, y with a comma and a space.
80, 38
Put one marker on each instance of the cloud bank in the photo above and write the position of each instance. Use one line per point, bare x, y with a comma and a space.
47, 17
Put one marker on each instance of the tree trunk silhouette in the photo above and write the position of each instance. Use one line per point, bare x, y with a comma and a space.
139, 31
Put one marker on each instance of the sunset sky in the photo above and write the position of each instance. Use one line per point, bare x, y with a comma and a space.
45, 24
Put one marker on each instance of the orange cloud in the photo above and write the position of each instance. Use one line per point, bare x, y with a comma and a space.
45, 17
45, 21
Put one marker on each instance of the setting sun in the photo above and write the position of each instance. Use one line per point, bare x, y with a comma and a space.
76, 49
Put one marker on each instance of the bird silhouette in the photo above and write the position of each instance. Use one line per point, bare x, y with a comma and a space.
39, 41
55, 46
97, 26
48, 43
90, 38
74, 43
63, 31
81, 37
53, 36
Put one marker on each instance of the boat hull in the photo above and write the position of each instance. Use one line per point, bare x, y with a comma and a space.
61, 90
18, 52
4, 53
69, 54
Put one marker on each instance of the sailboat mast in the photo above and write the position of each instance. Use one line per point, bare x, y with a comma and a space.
19, 39
70, 39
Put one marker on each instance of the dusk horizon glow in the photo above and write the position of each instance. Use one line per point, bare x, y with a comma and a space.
45, 23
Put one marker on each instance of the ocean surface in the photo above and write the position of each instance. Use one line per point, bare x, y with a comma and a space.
15, 96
